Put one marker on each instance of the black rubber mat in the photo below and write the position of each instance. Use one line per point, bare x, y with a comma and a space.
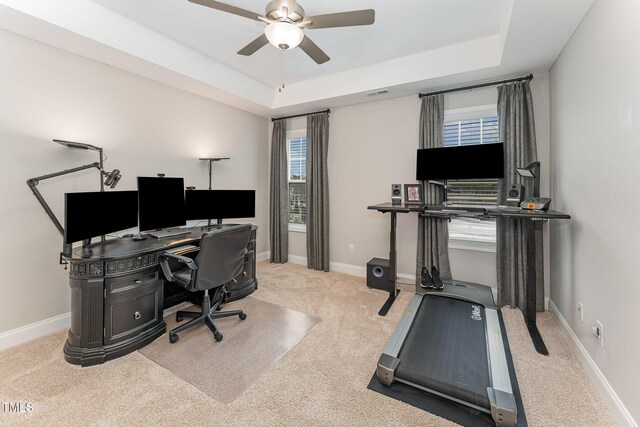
446, 350
447, 409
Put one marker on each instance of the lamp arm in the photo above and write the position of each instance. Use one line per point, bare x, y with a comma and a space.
536, 178
33, 182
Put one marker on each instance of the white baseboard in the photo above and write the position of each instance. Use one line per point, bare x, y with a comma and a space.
339, 267
263, 256
297, 259
608, 394
353, 270
26, 333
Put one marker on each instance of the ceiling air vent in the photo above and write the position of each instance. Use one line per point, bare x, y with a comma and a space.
378, 92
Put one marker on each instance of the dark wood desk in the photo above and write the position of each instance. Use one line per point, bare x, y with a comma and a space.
118, 294
529, 217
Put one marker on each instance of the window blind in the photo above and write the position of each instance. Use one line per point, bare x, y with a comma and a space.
481, 130
297, 180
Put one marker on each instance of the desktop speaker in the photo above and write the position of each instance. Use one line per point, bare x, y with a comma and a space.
378, 274
396, 194
515, 195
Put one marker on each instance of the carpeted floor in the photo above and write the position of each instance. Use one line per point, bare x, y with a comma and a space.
322, 381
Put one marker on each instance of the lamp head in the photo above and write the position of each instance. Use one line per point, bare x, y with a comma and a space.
284, 35
112, 178
531, 171
214, 159
77, 145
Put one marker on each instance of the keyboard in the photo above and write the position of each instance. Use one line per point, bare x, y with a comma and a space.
459, 208
502, 208
181, 250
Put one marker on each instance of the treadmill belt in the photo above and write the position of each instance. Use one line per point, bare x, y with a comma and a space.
446, 350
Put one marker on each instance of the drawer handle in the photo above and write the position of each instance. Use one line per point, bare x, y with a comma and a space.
244, 274
138, 281
137, 315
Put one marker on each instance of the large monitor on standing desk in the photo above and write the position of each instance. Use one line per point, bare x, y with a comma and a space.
460, 162
161, 205
220, 204
92, 214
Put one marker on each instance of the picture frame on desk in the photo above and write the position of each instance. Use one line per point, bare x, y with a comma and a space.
413, 194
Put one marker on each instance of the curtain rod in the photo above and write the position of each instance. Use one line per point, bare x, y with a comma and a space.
517, 79
300, 115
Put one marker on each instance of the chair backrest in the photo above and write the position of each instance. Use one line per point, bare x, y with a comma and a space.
221, 256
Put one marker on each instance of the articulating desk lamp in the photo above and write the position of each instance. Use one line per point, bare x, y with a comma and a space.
535, 202
532, 171
211, 160
111, 180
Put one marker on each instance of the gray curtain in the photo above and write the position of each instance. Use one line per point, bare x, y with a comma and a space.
517, 131
279, 194
317, 192
433, 234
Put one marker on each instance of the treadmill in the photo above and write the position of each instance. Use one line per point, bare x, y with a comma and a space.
449, 343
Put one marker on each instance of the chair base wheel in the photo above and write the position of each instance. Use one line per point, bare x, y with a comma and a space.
242, 316
217, 336
173, 338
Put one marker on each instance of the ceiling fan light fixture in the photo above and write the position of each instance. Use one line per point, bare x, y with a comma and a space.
283, 35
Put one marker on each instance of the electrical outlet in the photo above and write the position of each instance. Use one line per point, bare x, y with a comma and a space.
352, 247
598, 332
581, 312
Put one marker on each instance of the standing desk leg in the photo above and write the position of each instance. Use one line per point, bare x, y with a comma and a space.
393, 292
530, 309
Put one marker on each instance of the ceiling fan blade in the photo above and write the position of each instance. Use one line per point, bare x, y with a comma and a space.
312, 49
253, 47
342, 19
228, 8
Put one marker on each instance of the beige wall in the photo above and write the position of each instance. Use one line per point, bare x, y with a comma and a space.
145, 128
595, 152
373, 145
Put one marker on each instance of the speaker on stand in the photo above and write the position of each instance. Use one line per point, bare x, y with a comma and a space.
515, 195
396, 194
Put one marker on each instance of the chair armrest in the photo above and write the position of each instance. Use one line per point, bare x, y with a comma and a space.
181, 258
164, 264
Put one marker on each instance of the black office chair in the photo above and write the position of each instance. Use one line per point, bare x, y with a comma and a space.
220, 259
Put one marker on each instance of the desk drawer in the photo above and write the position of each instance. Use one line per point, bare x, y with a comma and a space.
246, 277
117, 285
132, 306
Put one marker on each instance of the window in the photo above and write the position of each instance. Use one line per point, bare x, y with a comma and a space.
476, 125
297, 176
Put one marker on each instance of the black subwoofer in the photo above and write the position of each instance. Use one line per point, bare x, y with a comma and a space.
378, 274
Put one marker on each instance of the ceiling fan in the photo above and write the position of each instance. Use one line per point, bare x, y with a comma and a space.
285, 20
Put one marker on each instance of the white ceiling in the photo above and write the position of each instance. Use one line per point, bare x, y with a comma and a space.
414, 45
424, 25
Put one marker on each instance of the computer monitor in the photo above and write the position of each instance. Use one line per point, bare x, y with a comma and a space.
161, 202
220, 204
92, 214
460, 162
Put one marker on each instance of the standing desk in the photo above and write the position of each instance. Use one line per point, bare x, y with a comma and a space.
393, 210
118, 294
528, 217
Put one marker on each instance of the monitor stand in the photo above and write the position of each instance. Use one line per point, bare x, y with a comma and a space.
210, 226
168, 232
